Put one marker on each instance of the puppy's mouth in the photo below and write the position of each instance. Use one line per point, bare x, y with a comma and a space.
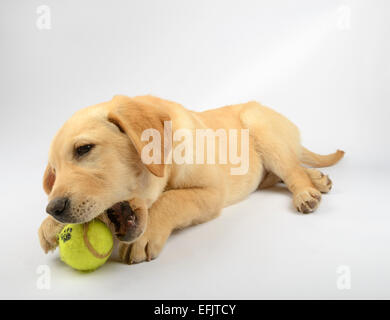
126, 221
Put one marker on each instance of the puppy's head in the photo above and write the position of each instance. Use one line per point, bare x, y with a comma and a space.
94, 159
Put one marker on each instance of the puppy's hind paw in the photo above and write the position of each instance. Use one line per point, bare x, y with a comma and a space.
321, 181
307, 200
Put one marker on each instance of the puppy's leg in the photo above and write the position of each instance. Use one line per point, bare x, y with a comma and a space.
278, 145
47, 234
320, 180
283, 163
175, 209
280, 157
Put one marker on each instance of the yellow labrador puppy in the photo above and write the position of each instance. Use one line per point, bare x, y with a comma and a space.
95, 169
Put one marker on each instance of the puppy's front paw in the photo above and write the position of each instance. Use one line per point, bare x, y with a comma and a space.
146, 248
47, 234
307, 200
128, 218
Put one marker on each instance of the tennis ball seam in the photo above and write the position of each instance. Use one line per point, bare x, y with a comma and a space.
89, 245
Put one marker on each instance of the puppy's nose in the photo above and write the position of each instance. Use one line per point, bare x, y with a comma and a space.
57, 206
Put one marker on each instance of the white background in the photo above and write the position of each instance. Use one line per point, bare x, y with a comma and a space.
324, 64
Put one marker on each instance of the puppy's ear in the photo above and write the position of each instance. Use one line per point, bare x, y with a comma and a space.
49, 177
133, 118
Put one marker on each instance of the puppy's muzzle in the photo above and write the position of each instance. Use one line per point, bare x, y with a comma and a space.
58, 208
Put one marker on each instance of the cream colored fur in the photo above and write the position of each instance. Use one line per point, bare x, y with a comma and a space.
172, 196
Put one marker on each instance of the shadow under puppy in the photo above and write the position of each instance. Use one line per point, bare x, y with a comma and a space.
95, 170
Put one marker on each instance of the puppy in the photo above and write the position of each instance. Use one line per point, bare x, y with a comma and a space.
96, 169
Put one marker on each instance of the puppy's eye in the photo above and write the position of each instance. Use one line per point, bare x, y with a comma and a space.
82, 150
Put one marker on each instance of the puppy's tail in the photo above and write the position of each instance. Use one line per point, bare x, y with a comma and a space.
317, 160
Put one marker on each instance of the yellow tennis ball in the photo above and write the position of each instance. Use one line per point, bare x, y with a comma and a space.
85, 247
